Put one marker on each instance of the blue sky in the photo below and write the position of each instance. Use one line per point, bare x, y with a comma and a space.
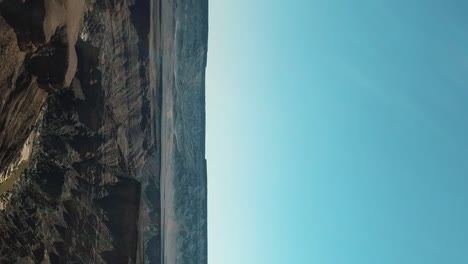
338, 132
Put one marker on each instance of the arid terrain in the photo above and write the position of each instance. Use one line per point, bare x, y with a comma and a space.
102, 131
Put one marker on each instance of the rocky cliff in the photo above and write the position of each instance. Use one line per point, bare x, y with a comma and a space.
102, 131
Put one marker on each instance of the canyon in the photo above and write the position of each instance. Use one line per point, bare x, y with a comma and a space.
102, 131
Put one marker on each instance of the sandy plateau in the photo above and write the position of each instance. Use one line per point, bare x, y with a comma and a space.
68, 13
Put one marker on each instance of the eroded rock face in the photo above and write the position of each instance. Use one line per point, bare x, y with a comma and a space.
112, 95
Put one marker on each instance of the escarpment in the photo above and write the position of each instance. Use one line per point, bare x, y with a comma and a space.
102, 131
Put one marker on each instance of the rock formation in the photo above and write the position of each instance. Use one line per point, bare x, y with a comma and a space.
102, 131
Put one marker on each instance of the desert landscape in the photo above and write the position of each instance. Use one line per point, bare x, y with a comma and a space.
102, 131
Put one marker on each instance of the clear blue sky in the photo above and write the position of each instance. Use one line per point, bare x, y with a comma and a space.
338, 132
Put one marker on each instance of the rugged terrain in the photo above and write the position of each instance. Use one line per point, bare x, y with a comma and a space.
102, 131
